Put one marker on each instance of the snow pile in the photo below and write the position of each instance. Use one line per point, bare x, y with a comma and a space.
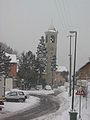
61, 68
40, 92
11, 108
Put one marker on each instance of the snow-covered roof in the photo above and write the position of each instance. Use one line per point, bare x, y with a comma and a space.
61, 69
12, 57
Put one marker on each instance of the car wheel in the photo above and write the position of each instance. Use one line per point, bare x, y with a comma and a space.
21, 100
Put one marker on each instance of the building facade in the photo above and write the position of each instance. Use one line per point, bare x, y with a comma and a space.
61, 75
51, 47
11, 81
59, 79
13, 70
84, 72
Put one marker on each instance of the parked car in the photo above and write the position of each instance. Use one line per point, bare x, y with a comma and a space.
38, 87
18, 96
48, 87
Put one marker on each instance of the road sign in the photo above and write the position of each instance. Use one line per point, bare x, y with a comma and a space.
82, 92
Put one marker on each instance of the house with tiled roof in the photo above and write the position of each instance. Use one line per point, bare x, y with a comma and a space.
61, 75
84, 72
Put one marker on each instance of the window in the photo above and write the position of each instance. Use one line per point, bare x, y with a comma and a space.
13, 93
46, 38
52, 39
20, 93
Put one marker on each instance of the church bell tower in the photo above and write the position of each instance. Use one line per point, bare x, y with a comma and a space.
51, 47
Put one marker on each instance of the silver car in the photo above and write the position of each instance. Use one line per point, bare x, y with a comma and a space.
14, 96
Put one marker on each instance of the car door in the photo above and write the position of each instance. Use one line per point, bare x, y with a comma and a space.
13, 95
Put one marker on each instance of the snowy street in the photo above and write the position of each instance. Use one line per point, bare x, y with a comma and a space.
44, 60
62, 113
47, 104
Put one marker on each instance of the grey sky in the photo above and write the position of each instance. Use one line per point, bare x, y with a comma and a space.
23, 22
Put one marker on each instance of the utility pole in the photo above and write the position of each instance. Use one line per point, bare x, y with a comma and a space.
73, 113
70, 66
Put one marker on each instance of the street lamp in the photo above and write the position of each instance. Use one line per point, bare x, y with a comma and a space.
74, 32
73, 114
70, 66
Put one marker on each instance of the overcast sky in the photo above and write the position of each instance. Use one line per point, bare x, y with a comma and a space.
23, 22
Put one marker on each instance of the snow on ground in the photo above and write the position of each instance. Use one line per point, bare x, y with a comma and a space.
65, 107
40, 92
14, 107
61, 114
11, 108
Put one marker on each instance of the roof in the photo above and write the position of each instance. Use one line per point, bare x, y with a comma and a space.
61, 69
84, 65
12, 57
51, 28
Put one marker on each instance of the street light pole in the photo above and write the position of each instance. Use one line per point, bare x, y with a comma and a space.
73, 114
74, 68
70, 66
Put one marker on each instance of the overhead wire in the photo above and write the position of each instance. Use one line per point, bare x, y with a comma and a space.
62, 10
66, 13
69, 12
64, 17
63, 14
60, 16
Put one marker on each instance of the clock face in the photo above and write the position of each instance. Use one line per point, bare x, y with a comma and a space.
52, 38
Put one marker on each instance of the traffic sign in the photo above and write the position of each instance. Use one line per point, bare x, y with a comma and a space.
82, 92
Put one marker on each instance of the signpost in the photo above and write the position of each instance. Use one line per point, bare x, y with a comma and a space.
73, 113
80, 92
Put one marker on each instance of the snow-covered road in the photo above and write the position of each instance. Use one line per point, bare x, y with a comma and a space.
62, 113
11, 108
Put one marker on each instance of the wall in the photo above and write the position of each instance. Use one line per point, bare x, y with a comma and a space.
9, 84
84, 72
13, 70
59, 79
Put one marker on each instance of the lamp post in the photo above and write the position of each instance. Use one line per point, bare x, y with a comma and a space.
70, 66
73, 113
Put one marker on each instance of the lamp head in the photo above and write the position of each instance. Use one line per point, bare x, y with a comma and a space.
72, 31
